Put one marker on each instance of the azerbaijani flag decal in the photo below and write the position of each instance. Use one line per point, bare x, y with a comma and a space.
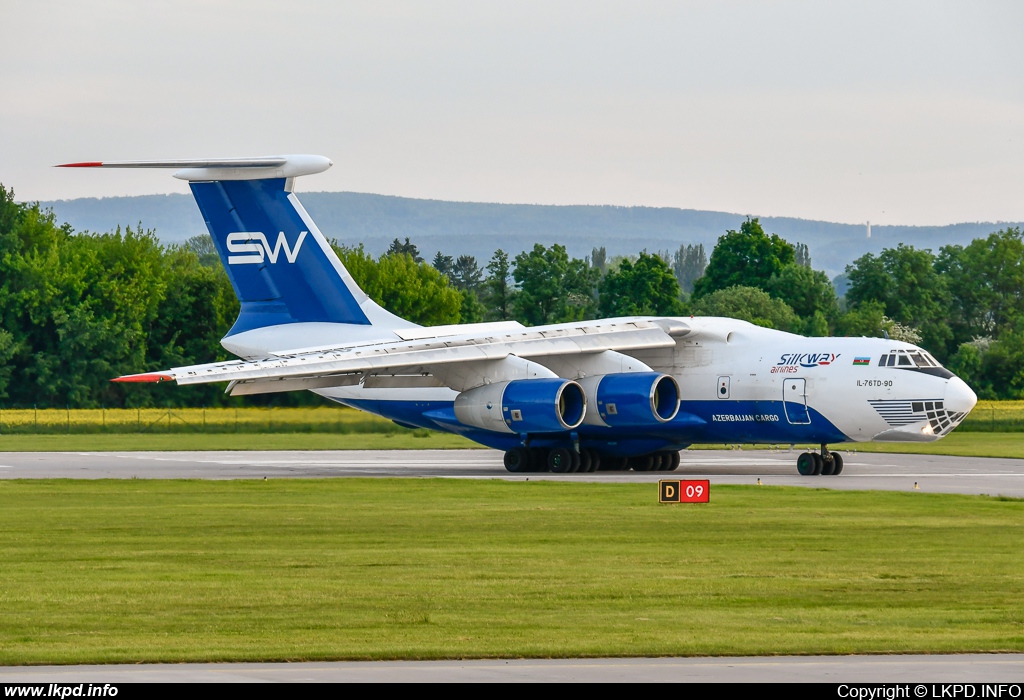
863, 361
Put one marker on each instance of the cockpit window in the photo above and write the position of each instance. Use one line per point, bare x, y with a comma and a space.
908, 358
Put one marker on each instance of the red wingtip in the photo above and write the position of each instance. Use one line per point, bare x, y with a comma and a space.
147, 377
89, 164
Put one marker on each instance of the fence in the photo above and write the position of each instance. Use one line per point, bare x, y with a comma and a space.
995, 417
192, 420
988, 416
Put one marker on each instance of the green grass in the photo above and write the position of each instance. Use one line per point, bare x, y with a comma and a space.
140, 570
958, 444
404, 440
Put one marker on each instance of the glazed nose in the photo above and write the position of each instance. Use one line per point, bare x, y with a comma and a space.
959, 397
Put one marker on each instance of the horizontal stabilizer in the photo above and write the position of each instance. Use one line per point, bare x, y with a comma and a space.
259, 168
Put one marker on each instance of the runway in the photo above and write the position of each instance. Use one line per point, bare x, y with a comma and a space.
862, 471
946, 668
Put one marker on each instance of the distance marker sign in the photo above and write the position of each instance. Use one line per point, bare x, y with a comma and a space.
684, 491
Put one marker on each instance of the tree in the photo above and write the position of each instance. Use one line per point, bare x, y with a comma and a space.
7, 349
407, 248
748, 304
78, 308
802, 256
202, 245
985, 280
689, 263
809, 293
748, 257
498, 290
413, 290
1002, 366
472, 310
647, 288
553, 288
867, 319
599, 259
905, 282
196, 311
443, 263
466, 274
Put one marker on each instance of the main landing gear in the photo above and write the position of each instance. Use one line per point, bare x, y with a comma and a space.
564, 460
826, 464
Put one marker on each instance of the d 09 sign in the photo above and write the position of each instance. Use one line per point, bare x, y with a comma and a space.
684, 491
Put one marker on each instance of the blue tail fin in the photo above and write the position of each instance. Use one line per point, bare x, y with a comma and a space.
280, 265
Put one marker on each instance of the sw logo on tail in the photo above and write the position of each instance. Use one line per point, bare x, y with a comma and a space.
254, 248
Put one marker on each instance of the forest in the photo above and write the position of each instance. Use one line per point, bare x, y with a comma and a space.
79, 308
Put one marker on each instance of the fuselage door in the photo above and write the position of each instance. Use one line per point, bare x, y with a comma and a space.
794, 396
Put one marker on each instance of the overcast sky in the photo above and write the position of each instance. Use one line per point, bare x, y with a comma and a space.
897, 112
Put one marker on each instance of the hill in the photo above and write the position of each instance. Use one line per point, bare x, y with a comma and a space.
479, 228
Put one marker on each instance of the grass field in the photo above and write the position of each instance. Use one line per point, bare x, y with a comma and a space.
959, 444
139, 570
405, 440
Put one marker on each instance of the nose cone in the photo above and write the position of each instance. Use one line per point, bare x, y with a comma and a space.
959, 397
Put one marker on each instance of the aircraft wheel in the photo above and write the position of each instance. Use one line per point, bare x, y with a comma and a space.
575, 466
673, 461
517, 460
595, 460
538, 459
657, 462
837, 460
608, 463
828, 465
586, 464
805, 464
818, 461
642, 463
560, 460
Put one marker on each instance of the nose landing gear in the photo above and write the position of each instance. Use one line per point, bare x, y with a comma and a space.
826, 464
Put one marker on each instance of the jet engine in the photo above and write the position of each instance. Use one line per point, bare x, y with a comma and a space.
523, 406
631, 399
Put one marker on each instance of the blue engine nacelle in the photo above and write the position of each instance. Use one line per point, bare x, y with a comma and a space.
631, 399
523, 406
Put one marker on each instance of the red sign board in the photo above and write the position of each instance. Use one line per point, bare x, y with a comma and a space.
684, 491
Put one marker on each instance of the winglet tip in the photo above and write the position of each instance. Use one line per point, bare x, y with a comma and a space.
84, 164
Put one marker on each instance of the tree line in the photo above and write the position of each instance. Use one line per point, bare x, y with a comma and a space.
80, 308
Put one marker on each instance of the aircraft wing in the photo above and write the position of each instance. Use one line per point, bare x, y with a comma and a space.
419, 358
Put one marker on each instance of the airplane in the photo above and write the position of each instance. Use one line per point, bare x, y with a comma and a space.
610, 394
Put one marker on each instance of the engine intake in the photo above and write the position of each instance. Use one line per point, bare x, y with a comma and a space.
631, 399
523, 406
